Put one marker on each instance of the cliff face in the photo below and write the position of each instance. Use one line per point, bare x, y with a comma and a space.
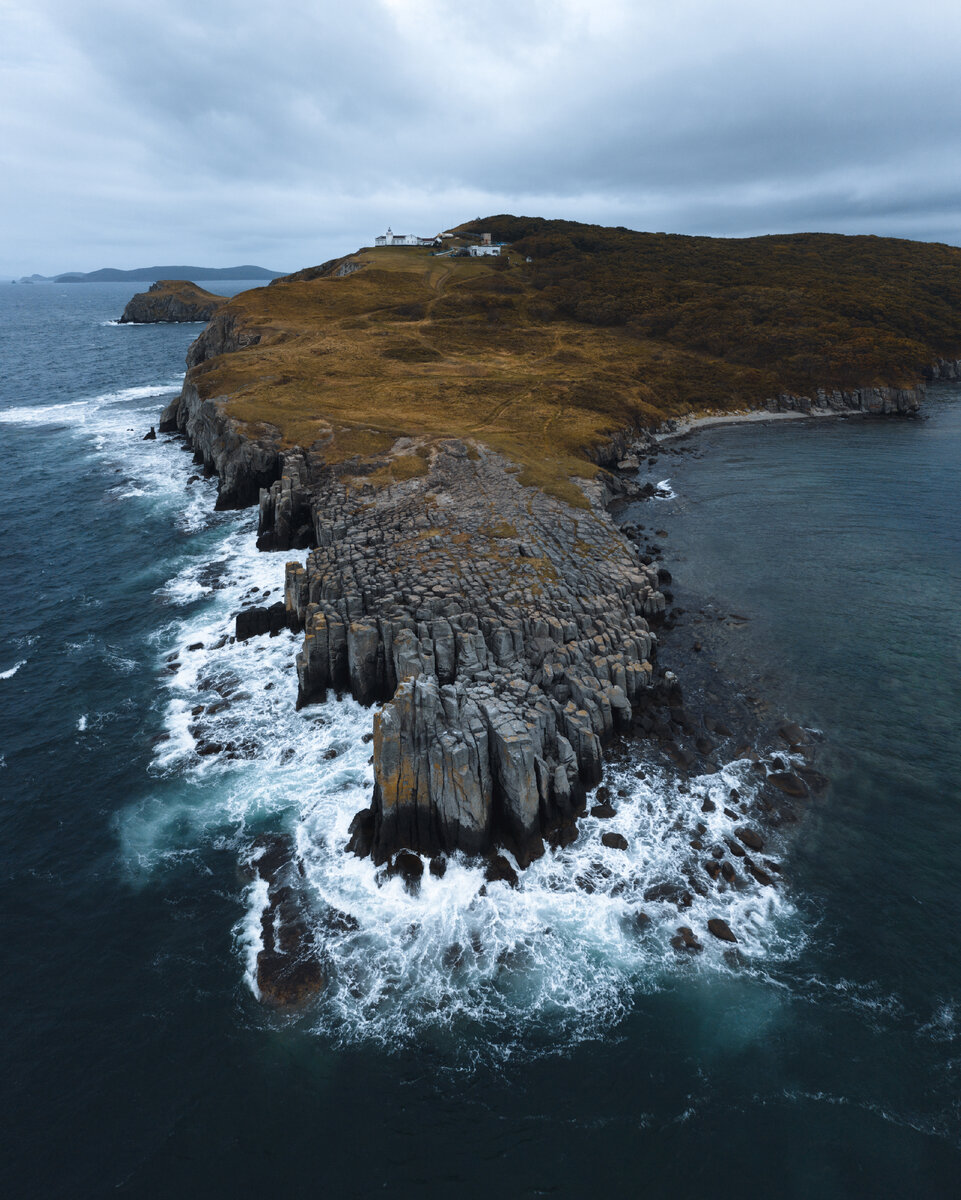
874, 401
171, 300
243, 463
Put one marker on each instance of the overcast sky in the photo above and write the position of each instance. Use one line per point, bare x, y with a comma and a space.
233, 132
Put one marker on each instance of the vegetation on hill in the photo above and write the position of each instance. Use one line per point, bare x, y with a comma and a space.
601, 330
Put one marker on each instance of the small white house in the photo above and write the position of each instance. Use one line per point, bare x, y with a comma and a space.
483, 250
402, 239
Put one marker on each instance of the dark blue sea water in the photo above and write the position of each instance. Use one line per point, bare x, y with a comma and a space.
558, 1053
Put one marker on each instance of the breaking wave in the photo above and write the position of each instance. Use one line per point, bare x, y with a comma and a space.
82, 411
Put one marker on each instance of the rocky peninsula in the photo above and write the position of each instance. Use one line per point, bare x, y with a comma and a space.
171, 300
446, 439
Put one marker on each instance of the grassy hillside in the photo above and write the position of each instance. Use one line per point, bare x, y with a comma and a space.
810, 309
602, 329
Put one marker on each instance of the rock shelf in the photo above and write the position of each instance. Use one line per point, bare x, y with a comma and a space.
507, 635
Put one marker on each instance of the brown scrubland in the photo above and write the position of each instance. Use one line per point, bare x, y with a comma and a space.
603, 329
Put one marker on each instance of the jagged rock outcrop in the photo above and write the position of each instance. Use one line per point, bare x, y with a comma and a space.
944, 368
171, 300
508, 634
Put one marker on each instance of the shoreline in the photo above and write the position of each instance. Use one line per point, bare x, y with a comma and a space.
506, 719
692, 424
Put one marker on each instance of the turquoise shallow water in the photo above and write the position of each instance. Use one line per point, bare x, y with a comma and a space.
136, 1060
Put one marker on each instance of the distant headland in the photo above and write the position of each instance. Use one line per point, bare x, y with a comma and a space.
171, 300
152, 274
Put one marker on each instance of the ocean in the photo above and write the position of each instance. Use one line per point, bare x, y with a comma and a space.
532, 1041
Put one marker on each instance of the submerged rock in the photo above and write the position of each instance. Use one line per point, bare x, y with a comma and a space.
500, 870
604, 811
794, 735
788, 783
684, 940
750, 837
288, 968
409, 866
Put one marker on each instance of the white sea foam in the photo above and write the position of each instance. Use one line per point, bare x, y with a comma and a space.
664, 490
112, 424
86, 409
11, 671
563, 952
82, 723
554, 961
248, 936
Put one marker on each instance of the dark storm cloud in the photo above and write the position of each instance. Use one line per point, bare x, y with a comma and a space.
227, 132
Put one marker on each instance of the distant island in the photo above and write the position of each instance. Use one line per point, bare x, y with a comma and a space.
152, 274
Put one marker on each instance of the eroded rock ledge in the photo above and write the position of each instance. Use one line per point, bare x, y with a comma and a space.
507, 633
875, 401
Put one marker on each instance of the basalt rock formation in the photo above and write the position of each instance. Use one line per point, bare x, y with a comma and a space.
508, 635
439, 434
171, 300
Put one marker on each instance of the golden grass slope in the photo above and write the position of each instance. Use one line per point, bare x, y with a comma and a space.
545, 360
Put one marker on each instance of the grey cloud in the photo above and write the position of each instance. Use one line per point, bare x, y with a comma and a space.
228, 132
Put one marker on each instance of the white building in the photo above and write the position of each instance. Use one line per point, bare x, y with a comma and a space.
402, 239
480, 251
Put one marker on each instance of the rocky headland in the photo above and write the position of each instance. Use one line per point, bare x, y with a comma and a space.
448, 451
171, 300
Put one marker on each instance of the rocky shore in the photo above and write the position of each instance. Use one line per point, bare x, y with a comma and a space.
510, 638
507, 635
171, 300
